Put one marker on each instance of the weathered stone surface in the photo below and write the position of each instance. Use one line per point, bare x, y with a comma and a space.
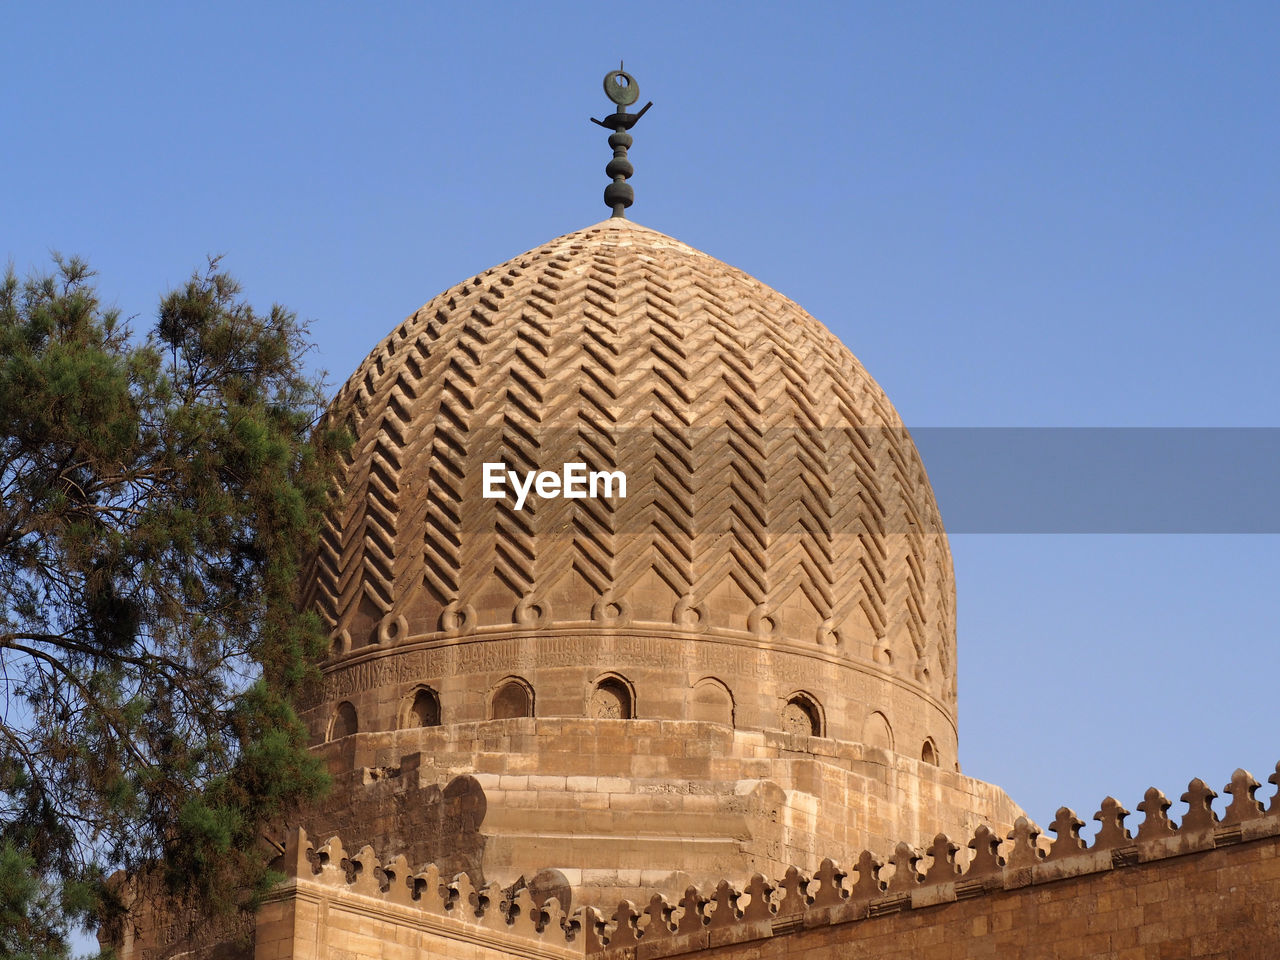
746, 663
1179, 901
778, 560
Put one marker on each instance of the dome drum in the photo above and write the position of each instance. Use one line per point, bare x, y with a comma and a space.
663, 672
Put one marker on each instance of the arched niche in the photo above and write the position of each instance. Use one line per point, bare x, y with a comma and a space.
421, 709
344, 721
711, 701
877, 732
511, 698
929, 752
612, 697
802, 715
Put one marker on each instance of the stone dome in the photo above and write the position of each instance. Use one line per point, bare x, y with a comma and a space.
778, 558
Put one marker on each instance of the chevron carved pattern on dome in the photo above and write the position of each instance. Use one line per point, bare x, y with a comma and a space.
459, 325
600, 418
732, 515
802, 551
325, 574
660, 435
859, 515
576, 425
493, 342
353, 561
422, 392
679, 356
515, 543
757, 451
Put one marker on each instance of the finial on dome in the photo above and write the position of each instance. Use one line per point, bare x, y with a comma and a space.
623, 90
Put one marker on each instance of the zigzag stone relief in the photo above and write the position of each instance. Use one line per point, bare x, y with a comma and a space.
772, 490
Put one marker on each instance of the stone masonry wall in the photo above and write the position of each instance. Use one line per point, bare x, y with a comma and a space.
1222, 904
1207, 887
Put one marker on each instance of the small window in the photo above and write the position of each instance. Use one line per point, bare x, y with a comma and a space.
802, 716
344, 722
512, 698
611, 700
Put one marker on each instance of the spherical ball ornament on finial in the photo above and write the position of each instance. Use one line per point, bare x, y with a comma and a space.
619, 195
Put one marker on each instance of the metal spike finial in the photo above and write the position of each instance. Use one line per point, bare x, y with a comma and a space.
622, 89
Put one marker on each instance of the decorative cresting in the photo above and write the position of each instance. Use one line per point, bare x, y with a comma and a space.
910, 879
773, 495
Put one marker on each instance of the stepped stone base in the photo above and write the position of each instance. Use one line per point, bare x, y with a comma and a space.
615, 808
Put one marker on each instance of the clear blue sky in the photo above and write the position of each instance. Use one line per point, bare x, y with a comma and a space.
1014, 214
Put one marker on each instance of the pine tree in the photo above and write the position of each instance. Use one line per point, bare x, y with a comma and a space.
157, 496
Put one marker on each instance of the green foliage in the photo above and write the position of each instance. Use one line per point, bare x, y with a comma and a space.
31, 926
158, 499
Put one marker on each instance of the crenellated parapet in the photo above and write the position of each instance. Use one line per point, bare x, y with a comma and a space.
454, 900
909, 879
